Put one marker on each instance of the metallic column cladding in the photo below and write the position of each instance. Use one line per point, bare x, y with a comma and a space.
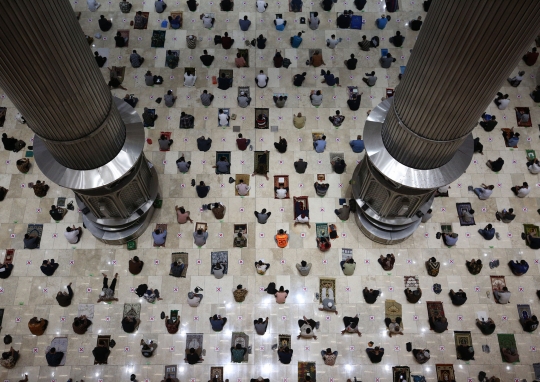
464, 52
49, 72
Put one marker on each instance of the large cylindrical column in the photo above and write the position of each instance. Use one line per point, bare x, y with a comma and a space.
420, 139
86, 139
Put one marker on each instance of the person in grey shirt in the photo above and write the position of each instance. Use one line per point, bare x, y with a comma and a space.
343, 213
169, 99
243, 100
135, 59
223, 166
316, 98
370, 79
303, 268
427, 216
314, 21
182, 165
280, 101
503, 296
260, 326
244, 24
149, 79
160, 6
199, 237
206, 98
262, 217
164, 143
387, 60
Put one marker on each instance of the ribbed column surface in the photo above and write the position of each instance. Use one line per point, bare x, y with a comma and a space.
464, 53
48, 71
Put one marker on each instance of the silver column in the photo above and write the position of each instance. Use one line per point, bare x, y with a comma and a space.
421, 139
86, 139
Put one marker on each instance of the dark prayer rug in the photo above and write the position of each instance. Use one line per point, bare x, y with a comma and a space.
162, 227
124, 33
242, 339
219, 257
261, 163
35, 230
507, 341
297, 7
107, 340
3, 111
284, 340
217, 373
158, 39
304, 203
445, 372
262, 116
307, 369
461, 207
435, 309
182, 256
462, 339
245, 178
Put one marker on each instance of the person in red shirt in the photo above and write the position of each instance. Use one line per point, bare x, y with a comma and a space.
226, 41
242, 143
531, 57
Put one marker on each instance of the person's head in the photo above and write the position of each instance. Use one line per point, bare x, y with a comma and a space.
139, 13
286, 349
45, 262
134, 51
163, 137
241, 181
261, 72
454, 235
239, 234
201, 183
101, 17
328, 351
510, 210
489, 226
261, 36
388, 55
505, 289
318, 92
323, 137
223, 158
52, 350
157, 231
398, 33
191, 350
245, 17
281, 98
169, 92
136, 259
471, 211
214, 317
337, 112
308, 330
238, 346
102, 343
281, 289
534, 318
516, 134
281, 232
523, 262
521, 73
505, 96
205, 51
525, 184
199, 231
480, 261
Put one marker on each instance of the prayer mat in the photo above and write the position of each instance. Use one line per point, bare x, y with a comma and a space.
507, 341
435, 309
356, 22
182, 256
152, 112
162, 227
10, 253
261, 163
241, 228
507, 131
29, 154
298, 9
195, 341
225, 111
497, 283
61, 202
245, 178
446, 228
304, 202
220, 257
536, 368
158, 39
3, 111
526, 110
244, 53
462, 339
411, 282
242, 339
305, 369
168, 136
35, 230
147, 15
124, 33
531, 229
328, 284
284, 179
244, 89
445, 372
1, 316
226, 154
61, 345
316, 136
132, 310
384, 52
264, 122
228, 73
170, 371
524, 311
284, 340
321, 229
217, 373
393, 310
334, 156
107, 340
397, 371
461, 207
531, 154
232, 7
177, 13
351, 90
346, 253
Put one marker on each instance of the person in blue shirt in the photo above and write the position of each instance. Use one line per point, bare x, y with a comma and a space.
520, 268
487, 233
159, 236
217, 322
357, 145
381, 23
320, 144
296, 40
329, 78
244, 24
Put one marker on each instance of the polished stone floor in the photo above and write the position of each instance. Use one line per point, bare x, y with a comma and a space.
29, 293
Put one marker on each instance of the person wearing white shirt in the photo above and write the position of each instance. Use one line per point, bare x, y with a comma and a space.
281, 192
484, 192
73, 234
93, 5
502, 101
302, 219
223, 118
261, 79
189, 79
242, 188
521, 191
534, 166
261, 6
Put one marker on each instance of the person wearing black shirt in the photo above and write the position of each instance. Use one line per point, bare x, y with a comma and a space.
57, 213
285, 355
416, 24
370, 295
360, 4
281, 146
224, 83
375, 355
439, 324
119, 40
192, 357
397, 40
206, 58
202, 190
327, 5
204, 144
130, 324
339, 165
192, 5
351, 63
101, 352
354, 102
344, 20
104, 24
488, 125
458, 298
48, 267
5, 270
300, 166
298, 79
495, 166
100, 60
131, 101
9, 143
53, 357
261, 42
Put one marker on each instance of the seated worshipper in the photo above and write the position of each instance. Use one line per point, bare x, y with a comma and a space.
194, 298
169, 98
488, 232
531, 57
521, 191
370, 295
296, 40
226, 5
478, 147
172, 325
240, 241
148, 117
131, 100
413, 295
323, 243
48, 267
199, 237
458, 298
237, 353
222, 166
386, 61
281, 238
242, 188
99, 59
382, 21
534, 166
202, 190
262, 217
281, 295
486, 327
240, 293
280, 23
192, 357
351, 63
261, 80
320, 144
217, 322
365, 44
9, 358
31, 241
338, 165
502, 101
532, 241
136, 59
300, 166
40, 189
135, 265
101, 352
397, 39
151, 80
280, 101
182, 165
375, 354
329, 78
329, 357
206, 59
73, 234
242, 143
343, 213
281, 146
317, 59
147, 349
261, 326
63, 298
307, 327
535, 94
261, 42
104, 24
484, 192
206, 98
175, 22
488, 125
120, 41
261, 267
182, 216
302, 215
281, 191
37, 327
522, 116
439, 324
421, 355
284, 353
5, 270
510, 355
416, 24
428, 215
321, 188
107, 292
316, 98
502, 296
204, 144
218, 209
505, 216
139, 21
529, 324
303, 268
328, 302
474, 266
244, 24
81, 324
351, 325
387, 263
394, 327
177, 268
224, 83
23, 164
244, 101
518, 268
164, 143
348, 266
353, 103
278, 59
208, 22
467, 216
449, 239
189, 79
114, 81
511, 138
223, 118
337, 119
515, 81
130, 324
53, 357
160, 236
151, 295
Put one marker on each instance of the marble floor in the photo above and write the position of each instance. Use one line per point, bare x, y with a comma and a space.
29, 293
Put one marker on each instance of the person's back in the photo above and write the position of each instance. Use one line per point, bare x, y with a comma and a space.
199, 238
387, 61
282, 240
101, 354
54, 358
217, 324
160, 6
320, 145
204, 144
381, 22
244, 24
375, 355
285, 356
348, 268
